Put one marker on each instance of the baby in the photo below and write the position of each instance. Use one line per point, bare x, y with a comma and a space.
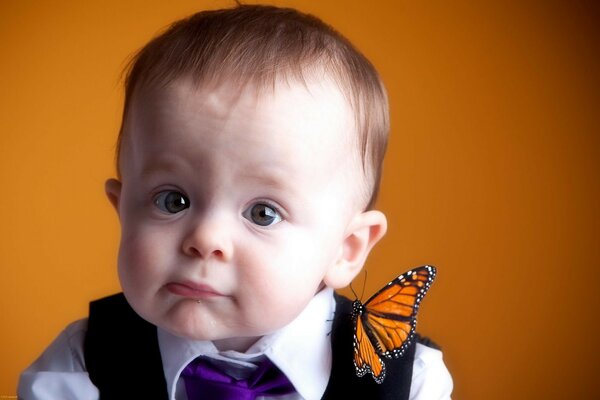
249, 160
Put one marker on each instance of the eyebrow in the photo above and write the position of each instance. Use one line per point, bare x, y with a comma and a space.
162, 165
257, 174
272, 179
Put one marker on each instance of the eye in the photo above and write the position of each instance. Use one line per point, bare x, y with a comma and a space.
171, 201
262, 214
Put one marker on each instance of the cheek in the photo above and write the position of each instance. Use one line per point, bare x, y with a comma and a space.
288, 277
139, 261
274, 306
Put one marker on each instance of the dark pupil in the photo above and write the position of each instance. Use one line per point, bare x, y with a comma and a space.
263, 214
175, 202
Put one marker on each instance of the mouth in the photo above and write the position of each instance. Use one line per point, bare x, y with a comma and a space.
192, 290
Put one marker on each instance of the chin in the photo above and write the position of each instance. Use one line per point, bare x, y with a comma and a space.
187, 329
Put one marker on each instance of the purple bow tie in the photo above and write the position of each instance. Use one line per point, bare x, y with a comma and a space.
203, 380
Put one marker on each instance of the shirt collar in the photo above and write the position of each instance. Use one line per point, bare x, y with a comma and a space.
301, 349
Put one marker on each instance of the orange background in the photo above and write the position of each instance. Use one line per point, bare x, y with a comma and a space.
492, 174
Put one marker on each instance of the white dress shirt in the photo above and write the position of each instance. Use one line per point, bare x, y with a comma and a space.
304, 356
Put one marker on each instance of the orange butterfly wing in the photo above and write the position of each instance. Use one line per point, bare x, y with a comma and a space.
365, 357
387, 320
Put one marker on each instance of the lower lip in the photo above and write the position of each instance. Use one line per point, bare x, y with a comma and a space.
193, 293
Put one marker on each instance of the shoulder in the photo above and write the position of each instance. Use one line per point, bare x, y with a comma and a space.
430, 379
66, 351
59, 371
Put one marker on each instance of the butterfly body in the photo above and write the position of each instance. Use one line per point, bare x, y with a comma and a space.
384, 325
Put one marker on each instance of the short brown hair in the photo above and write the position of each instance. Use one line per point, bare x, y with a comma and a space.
260, 44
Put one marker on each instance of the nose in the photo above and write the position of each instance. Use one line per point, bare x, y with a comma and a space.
208, 238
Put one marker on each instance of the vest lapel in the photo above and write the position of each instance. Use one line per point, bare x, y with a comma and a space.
121, 352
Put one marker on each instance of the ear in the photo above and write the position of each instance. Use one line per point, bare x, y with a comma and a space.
112, 187
364, 231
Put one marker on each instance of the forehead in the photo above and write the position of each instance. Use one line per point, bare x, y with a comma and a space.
312, 118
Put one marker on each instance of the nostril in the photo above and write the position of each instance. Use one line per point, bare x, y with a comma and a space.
200, 244
193, 251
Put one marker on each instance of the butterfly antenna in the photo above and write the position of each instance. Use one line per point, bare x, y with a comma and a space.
351, 288
363, 288
364, 284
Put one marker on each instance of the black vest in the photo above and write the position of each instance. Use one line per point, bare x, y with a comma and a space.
123, 359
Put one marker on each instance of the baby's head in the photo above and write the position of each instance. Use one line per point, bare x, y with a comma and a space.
249, 160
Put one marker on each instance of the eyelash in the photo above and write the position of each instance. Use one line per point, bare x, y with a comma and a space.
161, 201
163, 195
248, 213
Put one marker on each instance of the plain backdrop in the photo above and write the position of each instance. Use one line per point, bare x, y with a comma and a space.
491, 174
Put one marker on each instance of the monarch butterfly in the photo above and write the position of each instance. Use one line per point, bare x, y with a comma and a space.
384, 325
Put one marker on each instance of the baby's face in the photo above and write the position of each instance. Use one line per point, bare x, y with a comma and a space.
234, 206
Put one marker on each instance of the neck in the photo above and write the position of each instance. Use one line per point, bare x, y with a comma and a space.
239, 344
